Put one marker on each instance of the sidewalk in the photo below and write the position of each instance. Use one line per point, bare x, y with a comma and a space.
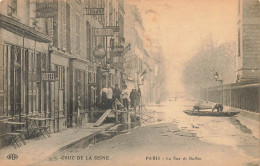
38, 150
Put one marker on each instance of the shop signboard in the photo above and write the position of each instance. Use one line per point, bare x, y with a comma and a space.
112, 71
99, 52
94, 11
118, 48
103, 32
115, 28
46, 9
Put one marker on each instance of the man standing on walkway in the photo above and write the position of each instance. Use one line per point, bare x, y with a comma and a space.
79, 120
103, 99
138, 97
125, 97
133, 98
116, 93
109, 97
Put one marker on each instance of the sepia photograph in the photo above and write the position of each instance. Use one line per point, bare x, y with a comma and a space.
129, 82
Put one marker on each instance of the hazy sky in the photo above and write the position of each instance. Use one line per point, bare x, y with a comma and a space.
181, 25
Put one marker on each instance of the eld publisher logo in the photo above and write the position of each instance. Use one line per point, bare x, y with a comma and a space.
12, 157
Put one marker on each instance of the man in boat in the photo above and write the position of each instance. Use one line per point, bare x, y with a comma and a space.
218, 107
197, 106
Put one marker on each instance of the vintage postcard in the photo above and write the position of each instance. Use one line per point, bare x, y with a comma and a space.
129, 82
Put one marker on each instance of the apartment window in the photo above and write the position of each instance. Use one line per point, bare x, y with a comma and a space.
238, 43
12, 7
110, 13
77, 34
63, 22
77, 24
88, 40
99, 3
238, 7
114, 22
68, 46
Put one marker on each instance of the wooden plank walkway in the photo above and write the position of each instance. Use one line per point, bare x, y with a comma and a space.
102, 118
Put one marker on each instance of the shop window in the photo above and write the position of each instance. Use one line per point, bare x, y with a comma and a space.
60, 96
2, 84
32, 82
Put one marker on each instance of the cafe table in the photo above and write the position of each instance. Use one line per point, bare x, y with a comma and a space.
15, 134
39, 127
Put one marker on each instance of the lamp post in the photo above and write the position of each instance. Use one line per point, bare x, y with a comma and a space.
216, 76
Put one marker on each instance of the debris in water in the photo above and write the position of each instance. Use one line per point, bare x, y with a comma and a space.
165, 135
195, 127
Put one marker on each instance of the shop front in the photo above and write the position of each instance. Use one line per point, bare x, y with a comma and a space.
80, 95
60, 89
22, 62
24, 56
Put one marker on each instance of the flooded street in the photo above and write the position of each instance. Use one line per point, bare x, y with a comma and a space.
173, 138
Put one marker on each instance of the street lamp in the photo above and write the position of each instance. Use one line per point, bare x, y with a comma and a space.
216, 76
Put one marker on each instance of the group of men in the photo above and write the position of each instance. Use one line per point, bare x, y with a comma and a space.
109, 95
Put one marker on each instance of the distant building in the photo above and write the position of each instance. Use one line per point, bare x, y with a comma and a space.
133, 64
248, 53
138, 68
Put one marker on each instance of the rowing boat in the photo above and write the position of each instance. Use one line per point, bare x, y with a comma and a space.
210, 113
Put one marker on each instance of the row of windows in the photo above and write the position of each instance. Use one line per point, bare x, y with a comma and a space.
21, 90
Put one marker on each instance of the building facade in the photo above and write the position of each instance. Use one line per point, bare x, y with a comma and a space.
57, 55
25, 53
48, 67
248, 54
244, 94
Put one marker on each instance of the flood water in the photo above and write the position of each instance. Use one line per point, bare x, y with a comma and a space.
172, 137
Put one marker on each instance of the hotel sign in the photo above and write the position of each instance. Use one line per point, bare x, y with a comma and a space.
103, 32
94, 11
49, 76
46, 9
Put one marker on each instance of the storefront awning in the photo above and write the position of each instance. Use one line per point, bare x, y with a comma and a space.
22, 29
